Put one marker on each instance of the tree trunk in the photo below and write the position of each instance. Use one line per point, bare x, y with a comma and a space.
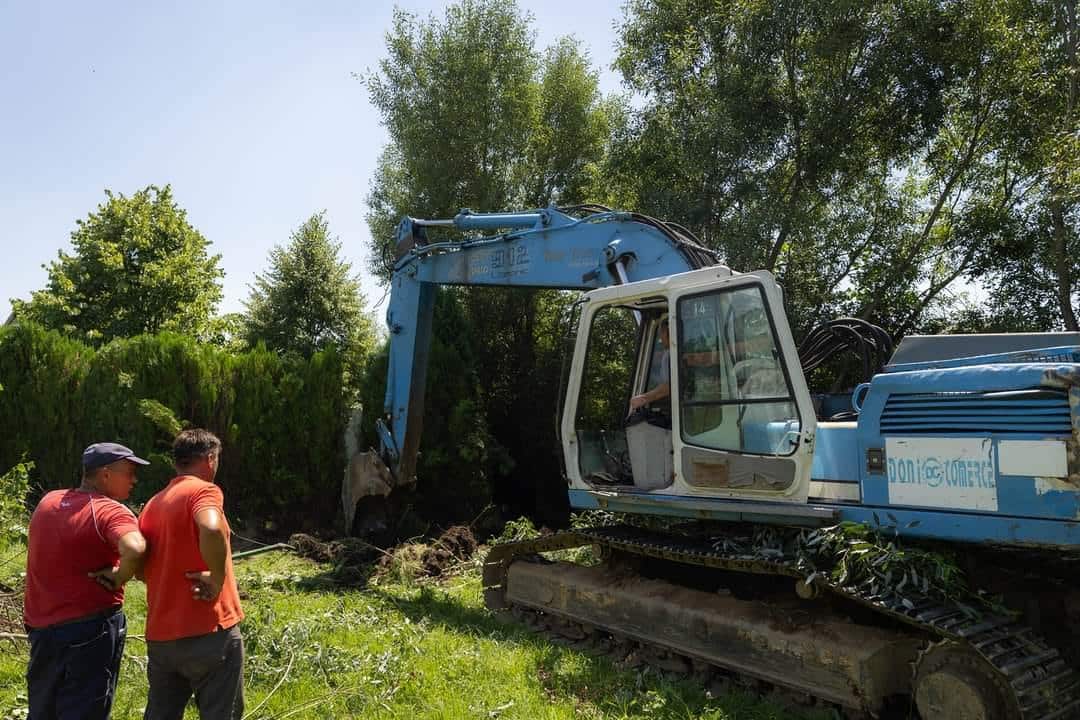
1062, 266
1059, 245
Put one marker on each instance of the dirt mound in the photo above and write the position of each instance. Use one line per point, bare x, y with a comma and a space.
352, 557
458, 541
454, 546
344, 552
403, 563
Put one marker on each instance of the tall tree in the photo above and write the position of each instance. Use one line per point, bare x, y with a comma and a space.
475, 70
769, 127
568, 138
502, 126
880, 156
1035, 132
309, 298
137, 266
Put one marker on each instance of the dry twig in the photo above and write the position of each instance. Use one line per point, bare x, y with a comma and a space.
273, 690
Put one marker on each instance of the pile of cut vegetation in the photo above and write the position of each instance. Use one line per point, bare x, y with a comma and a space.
452, 550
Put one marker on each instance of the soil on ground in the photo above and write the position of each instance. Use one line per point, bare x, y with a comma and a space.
454, 546
350, 555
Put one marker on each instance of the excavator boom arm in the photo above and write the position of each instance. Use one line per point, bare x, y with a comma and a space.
545, 248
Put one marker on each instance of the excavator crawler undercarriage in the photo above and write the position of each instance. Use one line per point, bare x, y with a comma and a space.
858, 651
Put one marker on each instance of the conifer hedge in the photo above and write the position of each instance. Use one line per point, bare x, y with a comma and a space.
281, 420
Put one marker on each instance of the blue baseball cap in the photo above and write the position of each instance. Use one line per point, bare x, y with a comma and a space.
100, 454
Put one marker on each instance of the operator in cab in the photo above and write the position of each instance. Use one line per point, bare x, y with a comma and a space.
648, 428
659, 387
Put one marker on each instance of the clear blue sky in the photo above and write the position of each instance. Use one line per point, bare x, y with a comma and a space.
249, 109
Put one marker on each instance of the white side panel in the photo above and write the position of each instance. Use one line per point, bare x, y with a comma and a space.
1041, 458
843, 492
942, 472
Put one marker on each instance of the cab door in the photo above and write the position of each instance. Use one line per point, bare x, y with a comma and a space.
744, 423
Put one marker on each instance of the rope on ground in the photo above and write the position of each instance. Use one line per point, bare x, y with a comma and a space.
387, 553
260, 550
139, 660
249, 540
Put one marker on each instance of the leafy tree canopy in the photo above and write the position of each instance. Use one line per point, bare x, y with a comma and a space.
309, 298
500, 126
876, 155
137, 266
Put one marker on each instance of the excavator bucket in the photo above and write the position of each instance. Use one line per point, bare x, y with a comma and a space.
366, 476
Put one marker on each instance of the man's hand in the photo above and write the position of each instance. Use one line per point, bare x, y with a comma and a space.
204, 585
638, 401
109, 578
131, 548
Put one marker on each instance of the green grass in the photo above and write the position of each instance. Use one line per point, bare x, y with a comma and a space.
396, 649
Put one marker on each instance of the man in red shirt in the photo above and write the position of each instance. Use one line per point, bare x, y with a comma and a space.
83, 546
193, 607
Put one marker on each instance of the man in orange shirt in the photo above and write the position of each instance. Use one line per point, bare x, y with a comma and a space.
83, 546
193, 607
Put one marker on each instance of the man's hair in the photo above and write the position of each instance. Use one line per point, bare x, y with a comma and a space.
92, 473
190, 445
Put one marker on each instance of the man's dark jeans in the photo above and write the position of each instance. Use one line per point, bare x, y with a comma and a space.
211, 666
73, 668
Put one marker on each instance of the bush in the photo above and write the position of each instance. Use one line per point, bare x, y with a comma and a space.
14, 513
41, 372
281, 421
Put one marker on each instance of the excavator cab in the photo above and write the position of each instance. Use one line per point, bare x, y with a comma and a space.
738, 420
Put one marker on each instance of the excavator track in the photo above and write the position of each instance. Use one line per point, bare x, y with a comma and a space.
1035, 682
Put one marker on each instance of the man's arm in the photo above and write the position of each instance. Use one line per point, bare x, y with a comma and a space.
659, 392
213, 546
132, 549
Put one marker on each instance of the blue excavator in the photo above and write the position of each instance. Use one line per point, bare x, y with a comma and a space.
763, 507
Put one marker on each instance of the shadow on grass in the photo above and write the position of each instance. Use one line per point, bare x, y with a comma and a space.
562, 673
568, 674
437, 606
